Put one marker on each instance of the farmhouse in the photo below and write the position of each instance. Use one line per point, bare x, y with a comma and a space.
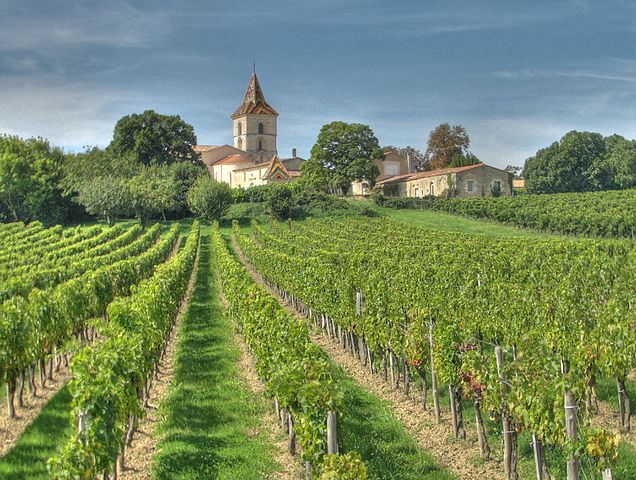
478, 180
392, 165
253, 158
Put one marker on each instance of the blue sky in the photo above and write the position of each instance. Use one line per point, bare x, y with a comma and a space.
516, 74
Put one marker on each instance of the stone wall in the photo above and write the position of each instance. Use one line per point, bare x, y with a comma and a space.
483, 179
249, 138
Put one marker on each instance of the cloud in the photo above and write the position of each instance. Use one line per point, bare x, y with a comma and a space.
65, 114
79, 24
531, 73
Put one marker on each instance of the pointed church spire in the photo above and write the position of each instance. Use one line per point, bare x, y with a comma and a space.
254, 101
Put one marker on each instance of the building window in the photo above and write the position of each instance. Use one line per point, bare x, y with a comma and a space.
470, 186
260, 144
240, 143
261, 129
240, 128
431, 189
497, 185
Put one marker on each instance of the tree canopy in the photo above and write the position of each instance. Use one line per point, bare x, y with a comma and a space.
209, 199
109, 186
445, 142
463, 160
347, 151
30, 173
582, 161
154, 138
417, 158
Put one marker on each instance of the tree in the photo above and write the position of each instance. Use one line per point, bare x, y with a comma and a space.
516, 171
106, 196
30, 174
314, 176
15, 185
280, 200
209, 199
617, 168
92, 163
152, 193
154, 138
416, 158
570, 165
444, 142
347, 151
183, 175
464, 160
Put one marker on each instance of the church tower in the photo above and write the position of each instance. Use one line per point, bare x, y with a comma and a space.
254, 124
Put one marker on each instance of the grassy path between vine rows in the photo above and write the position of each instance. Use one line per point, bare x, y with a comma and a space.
211, 424
370, 427
27, 459
446, 222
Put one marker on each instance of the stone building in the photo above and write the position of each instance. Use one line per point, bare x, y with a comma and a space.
478, 180
253, 158
392, 165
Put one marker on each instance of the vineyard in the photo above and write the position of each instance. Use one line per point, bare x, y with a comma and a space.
598, 214
519, 330
338, 348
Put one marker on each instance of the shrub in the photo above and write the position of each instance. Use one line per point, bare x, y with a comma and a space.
209, 199
280, 200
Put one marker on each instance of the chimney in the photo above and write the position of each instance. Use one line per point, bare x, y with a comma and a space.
293, 153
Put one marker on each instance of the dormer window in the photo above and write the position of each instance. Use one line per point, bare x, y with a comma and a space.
261, 129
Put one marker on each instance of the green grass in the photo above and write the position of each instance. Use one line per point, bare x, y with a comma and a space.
453, 223
51, 428
210, 416
369, 427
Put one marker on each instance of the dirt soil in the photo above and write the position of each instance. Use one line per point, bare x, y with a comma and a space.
609, 418
459, 456
11, 429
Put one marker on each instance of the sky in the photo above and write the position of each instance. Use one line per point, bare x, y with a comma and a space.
516, 74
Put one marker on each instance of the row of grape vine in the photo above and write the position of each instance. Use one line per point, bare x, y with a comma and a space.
111, 378
523, 329
296, 372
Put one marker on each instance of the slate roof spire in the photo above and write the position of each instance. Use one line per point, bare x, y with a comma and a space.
254, 101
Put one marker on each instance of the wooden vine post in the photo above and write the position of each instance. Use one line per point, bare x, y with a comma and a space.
539, 459
332, 437
509, 436
10, 397
438, 414
624, 404
571, 426
291, 444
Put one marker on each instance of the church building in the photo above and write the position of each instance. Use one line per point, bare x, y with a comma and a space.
253, 158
